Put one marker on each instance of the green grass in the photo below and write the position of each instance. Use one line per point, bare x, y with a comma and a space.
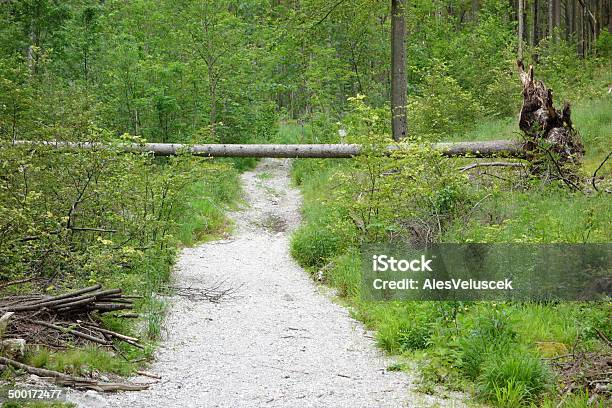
210, 199
264, 176
495, 350
79, 361
290, 131
513, 378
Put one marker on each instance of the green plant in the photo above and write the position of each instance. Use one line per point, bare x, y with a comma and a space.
444, 107
512, 395
314, 245
513, 376
345, 274
79, 361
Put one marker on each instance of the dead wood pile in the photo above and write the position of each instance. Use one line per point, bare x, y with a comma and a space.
67, 319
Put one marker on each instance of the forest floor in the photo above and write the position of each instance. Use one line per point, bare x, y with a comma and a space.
280, 340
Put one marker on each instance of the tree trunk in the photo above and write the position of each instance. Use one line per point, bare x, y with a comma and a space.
535, 36
473, 149
567, 16
521, 28
399, 86
551, 20
609, 14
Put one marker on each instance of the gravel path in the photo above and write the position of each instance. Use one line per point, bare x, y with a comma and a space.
281, 342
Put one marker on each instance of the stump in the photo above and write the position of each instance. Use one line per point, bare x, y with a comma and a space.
548, 131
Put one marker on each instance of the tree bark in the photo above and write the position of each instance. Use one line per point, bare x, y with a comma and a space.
521, 28
399, 86
557, 13
551, 20
535, 33
473, 149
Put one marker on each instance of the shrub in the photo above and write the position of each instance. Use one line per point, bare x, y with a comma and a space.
444, 107
604, 44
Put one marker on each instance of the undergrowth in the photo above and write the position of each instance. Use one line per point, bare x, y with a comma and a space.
496, 350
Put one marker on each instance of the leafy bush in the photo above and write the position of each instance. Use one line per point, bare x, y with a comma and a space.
415, 337
443, 108
383, 194
603, 46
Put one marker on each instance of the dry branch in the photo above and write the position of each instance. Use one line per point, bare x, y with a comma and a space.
16, 282
71, 331
597, 170
492, 164
215, 293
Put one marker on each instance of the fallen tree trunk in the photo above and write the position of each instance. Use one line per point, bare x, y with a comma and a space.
506, 148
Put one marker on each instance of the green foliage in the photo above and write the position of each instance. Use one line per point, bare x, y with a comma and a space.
603, 45
565, 74
490, 335
344, 273
497, 347
443, 107
549, 215
382, 195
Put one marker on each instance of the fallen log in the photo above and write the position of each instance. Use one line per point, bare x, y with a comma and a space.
69, 294
506, 148
70, 381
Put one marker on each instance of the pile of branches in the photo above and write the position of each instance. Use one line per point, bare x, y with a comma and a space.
57, 322
67, 319
591, 371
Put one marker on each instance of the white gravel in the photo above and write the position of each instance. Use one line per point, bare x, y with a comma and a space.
282, 342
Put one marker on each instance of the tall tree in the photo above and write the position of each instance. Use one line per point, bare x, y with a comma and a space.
521, 27
551, 18
399, 86
535, 33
